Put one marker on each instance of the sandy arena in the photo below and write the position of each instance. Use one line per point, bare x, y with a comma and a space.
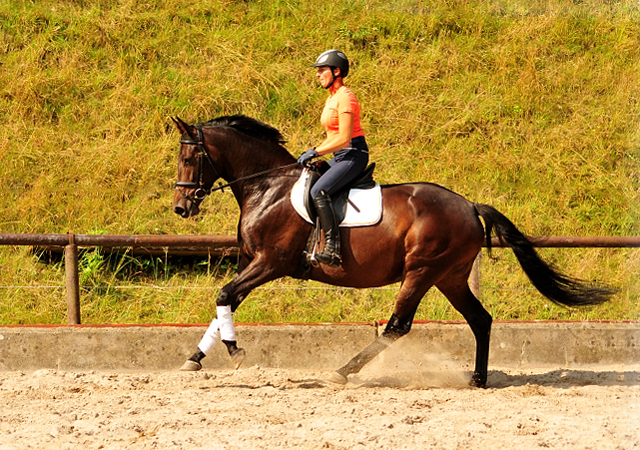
407, 404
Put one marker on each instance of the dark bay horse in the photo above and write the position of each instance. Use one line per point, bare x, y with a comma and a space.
428, 236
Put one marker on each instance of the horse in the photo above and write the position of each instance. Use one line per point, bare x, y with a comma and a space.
427, 236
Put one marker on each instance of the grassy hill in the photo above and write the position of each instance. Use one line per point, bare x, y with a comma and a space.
530, 106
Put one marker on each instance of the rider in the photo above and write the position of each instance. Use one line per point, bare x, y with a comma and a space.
345, 140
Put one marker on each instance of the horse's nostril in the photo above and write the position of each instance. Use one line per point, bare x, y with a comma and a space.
178, 210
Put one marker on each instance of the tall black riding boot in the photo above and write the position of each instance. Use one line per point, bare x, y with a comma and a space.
330, 255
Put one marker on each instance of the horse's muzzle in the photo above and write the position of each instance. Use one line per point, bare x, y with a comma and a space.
184, 207
186, 212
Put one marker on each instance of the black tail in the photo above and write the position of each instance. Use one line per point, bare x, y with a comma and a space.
557, 287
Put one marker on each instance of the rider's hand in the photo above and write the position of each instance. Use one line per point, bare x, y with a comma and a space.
307, 156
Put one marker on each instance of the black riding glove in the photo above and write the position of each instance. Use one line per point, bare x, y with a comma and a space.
307, 156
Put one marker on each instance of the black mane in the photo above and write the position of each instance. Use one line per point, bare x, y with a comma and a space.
250, 127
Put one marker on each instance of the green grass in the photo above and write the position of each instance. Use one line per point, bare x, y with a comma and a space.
532, 107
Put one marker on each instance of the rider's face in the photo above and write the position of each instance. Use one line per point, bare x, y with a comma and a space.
325, 77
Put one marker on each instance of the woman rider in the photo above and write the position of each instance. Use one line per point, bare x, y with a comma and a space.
345, 140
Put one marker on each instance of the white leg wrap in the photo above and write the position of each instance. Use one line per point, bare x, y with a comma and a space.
210, 338
225, 318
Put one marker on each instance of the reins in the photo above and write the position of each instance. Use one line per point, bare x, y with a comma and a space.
248, 177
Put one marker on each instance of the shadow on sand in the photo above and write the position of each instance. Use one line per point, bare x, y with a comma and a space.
565, 378
451, 379
457, 379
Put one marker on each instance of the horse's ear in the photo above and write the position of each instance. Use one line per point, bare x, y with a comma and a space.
181, 126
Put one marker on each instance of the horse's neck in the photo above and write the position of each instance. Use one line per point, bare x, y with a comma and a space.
246, 158
265, 190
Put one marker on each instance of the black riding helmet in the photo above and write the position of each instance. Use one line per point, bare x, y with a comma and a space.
333, 58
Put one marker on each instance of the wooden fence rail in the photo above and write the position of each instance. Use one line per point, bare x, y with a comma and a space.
71, 242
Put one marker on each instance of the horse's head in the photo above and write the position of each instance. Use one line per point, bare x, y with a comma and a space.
196, 171
239, 149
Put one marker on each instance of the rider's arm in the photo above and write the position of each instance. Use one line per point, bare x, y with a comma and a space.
339, 140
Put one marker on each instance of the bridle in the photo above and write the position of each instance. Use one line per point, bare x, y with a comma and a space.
201, 191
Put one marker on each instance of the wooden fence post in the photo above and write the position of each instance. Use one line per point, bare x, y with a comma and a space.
73, 282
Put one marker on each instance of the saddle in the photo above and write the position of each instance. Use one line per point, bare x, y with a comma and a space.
358, 204
341, 198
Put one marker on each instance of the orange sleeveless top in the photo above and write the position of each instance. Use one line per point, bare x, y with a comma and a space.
343, 101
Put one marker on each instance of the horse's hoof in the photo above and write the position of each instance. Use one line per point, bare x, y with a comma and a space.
190, 366
335, 377
237, 357
478, 381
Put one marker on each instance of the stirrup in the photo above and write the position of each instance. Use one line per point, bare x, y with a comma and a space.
329, 258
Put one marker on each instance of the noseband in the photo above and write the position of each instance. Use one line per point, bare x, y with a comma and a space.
200, 190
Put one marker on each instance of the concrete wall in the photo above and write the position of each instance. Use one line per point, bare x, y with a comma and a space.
314, 346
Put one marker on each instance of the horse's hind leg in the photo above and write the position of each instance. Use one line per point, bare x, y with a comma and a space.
458, 293
395, 329
413, 288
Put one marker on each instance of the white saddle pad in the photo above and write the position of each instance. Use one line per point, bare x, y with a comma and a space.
367, 201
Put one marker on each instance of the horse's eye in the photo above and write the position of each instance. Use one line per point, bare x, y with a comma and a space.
186, 161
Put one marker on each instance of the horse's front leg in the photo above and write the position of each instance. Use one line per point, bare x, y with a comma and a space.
222, 328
